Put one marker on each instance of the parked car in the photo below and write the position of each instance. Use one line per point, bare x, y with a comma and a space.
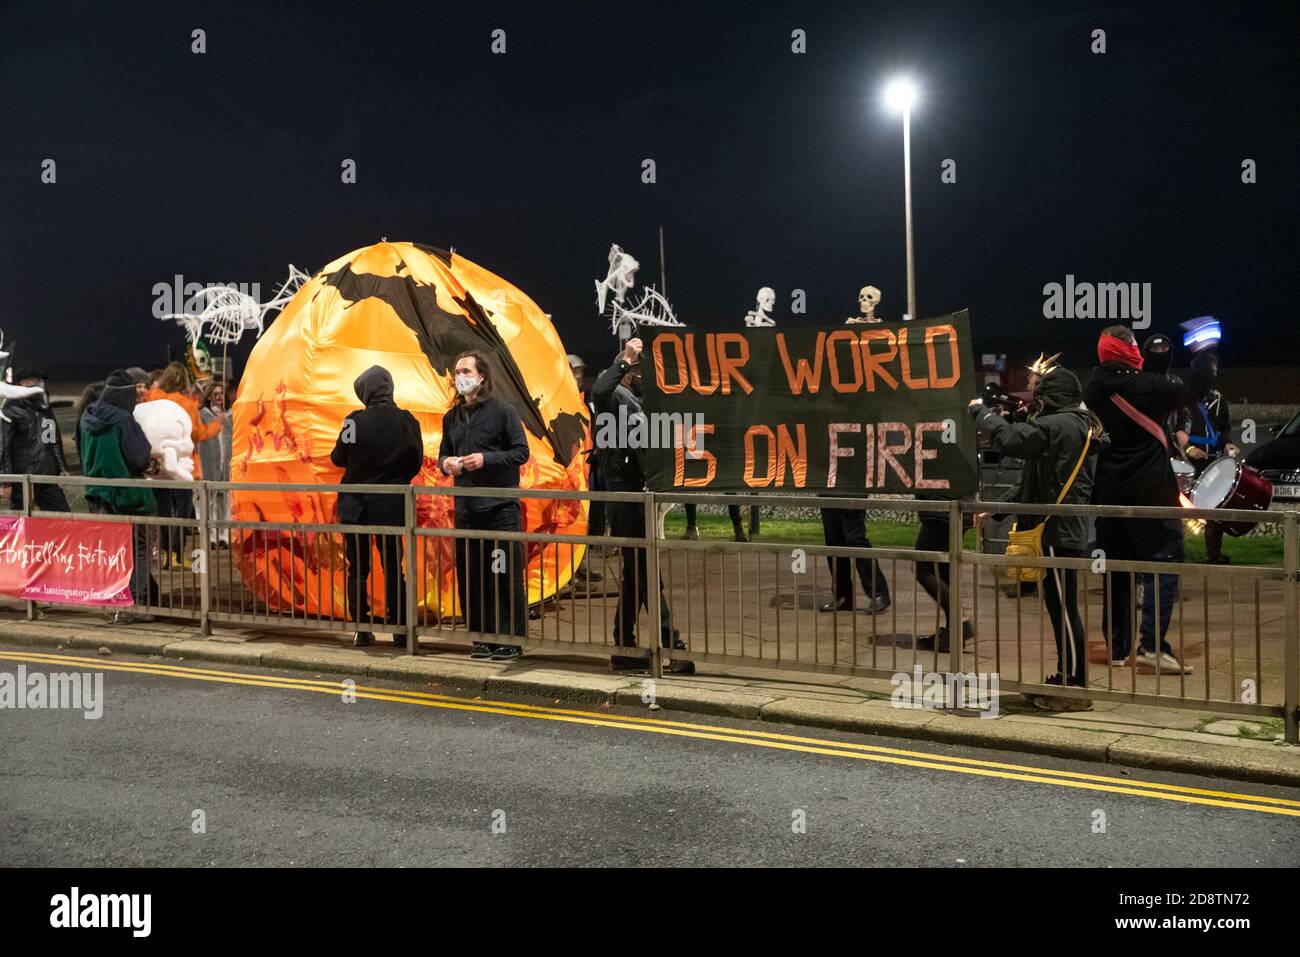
1279, 461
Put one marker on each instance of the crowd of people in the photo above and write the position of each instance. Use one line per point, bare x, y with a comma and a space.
1107, 441
132, 425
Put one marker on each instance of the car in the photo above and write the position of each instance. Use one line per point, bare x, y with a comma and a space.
1278, 461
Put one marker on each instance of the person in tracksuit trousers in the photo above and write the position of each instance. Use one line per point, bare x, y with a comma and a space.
624, 471
1060, 444
484, 446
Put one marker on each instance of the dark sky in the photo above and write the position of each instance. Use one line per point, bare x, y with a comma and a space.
773, 168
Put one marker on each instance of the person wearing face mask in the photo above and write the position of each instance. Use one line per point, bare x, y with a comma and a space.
1134, 404
484, 446
31, 443
623, 465
379, 444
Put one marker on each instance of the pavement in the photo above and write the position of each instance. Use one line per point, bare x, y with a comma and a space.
201, 764
1131, 735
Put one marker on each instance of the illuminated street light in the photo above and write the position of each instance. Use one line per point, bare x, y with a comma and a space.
900, 96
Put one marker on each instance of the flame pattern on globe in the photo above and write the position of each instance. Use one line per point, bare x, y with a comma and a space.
411, 309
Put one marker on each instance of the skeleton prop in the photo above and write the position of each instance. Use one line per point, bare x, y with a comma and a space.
761, 315
868, 299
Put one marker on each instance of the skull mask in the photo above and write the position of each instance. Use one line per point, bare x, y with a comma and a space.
868, 299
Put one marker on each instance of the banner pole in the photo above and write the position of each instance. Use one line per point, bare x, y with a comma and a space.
27, 511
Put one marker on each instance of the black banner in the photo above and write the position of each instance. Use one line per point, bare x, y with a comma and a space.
849, 410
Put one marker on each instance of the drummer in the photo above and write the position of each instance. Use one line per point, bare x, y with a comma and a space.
1133, 404
1205, 435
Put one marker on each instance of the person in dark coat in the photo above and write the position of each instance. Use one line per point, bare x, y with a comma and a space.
623, 466
378, 445
484, 446
1059, 444
113, 446
32, 444
1134, 407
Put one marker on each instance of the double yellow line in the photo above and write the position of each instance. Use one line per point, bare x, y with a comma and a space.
761, 739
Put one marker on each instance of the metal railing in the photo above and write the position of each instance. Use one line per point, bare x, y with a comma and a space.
736, 604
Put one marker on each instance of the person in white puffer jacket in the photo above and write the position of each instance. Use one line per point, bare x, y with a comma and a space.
167, 426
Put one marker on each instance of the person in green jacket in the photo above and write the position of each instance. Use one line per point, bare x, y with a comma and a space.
113, 446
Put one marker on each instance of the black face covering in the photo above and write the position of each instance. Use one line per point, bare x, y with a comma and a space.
1204, 360
635, 385
1154, 360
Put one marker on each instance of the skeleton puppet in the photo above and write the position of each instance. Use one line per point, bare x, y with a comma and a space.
761, 314
868, 299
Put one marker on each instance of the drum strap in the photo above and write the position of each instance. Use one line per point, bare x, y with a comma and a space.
1127, 407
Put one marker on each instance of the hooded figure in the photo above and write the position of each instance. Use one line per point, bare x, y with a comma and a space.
1058, 444
114, 446
1157, 353
378, 445
1050, 443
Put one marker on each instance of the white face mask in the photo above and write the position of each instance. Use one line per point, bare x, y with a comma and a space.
465, 384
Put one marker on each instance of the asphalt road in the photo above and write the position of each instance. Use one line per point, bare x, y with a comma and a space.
287, 776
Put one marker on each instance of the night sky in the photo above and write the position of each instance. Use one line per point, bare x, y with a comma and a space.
773, 168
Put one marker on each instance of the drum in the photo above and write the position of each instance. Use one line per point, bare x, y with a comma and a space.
1228, 483
1185, 474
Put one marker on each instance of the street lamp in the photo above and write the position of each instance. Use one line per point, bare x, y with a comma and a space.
900, 94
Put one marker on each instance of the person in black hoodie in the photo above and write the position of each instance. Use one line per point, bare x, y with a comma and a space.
484, 446
623, 466
1059, 444
1134, 407
113, 446
378, 445
32, 444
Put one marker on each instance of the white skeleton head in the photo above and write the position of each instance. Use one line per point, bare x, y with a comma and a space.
868, 299
766, 299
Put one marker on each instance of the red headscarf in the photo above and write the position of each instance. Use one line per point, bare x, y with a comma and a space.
1114, 349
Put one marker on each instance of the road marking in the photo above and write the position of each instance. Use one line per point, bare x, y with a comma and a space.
766, 739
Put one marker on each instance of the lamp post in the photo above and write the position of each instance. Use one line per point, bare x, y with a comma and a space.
900, 94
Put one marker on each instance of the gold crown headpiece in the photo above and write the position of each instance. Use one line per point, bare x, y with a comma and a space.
1044, 365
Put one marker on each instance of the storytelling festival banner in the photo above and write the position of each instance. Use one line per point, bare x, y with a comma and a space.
849, 410
55, 559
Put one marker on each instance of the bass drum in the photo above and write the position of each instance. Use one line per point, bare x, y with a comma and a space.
1228, 483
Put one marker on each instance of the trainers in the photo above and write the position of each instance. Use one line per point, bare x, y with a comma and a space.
1165, 663
363, 639
628, 663
680, 667
1060, 705
505, 652
928, 642
481, 651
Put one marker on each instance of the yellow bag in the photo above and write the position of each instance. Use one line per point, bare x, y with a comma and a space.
1029, 543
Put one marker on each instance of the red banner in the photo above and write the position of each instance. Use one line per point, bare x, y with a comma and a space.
61, 560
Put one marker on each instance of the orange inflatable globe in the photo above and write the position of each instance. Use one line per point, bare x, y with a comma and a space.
411, 309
